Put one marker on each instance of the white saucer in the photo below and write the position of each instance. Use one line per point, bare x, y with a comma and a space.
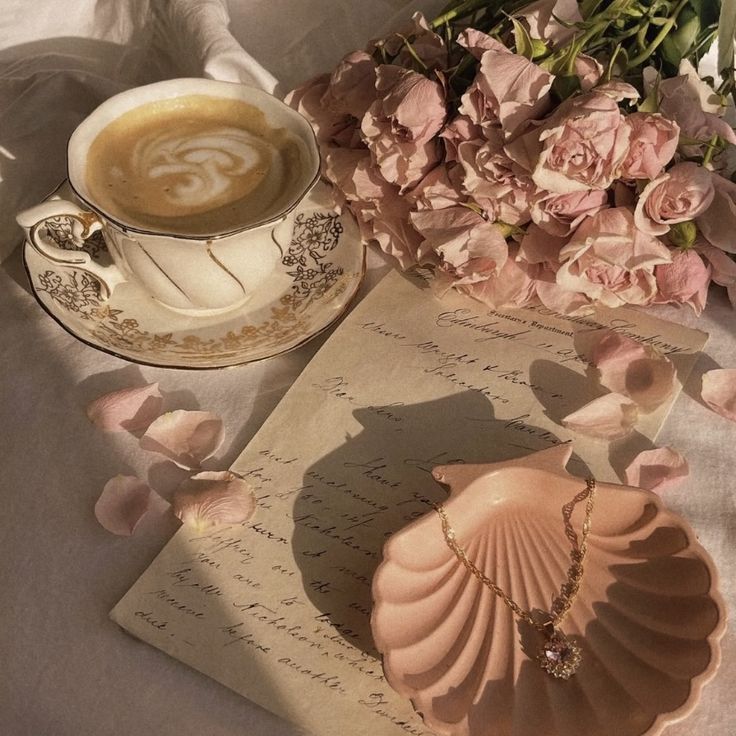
318, 277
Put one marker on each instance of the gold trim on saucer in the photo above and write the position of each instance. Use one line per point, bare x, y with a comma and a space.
317, 279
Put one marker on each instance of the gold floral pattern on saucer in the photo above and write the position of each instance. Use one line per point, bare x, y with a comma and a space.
319, 275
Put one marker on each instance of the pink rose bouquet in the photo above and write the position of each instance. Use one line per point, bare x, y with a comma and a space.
554, 151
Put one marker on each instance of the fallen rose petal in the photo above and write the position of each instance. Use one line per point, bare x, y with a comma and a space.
613, 347
129, 409
650, 382
719, 391
627, 367
608, 417
612, 354
123, 502
210, 498
657, 470
185, 437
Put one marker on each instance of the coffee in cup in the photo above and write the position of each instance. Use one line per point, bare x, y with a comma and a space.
193, 183
193, 165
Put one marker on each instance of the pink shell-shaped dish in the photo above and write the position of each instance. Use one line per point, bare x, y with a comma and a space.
648, 617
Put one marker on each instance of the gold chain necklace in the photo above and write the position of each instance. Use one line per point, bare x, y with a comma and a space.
558, 656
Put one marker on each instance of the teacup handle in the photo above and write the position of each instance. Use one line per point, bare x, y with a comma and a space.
74, 225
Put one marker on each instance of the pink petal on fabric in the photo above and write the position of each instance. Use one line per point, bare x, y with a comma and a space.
719, 391
124, 501
608, 417
185, 437
657, 470
630, 368
210, 498
129, 409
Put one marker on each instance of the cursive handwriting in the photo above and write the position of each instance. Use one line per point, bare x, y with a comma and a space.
377, 703
337, 387
163, 595
489, 330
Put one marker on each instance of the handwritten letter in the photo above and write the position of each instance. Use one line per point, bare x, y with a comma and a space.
278, 608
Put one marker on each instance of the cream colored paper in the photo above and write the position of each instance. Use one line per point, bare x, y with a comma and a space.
278, 609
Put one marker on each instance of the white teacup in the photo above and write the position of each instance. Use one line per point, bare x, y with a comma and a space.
193, 272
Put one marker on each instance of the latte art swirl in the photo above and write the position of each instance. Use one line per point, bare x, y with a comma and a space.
192, 165
202, 171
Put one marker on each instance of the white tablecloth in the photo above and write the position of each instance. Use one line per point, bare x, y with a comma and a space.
65, 669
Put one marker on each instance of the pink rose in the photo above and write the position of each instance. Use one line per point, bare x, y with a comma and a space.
336, 104
494, 181
560, 214
694, 106
441, 188
718, 222
610, 261
680, 194
580, 147
588, 70
653, 144
352, 86
307, 99
425, 43
512, 287
461, 129
618, 90
467, 247
543, 16
723, 268
477, 43
399, 127
539, 247
540, 251
684, 281
508, 89
355, 175
387, 223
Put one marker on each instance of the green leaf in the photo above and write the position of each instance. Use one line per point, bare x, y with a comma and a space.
679, 42
683, 234
618, 63
565, 86
589, 7
650, 103
707, 10
726, 34
539, 48
523, 41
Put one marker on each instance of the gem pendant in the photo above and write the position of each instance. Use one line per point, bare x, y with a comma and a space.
559, 656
